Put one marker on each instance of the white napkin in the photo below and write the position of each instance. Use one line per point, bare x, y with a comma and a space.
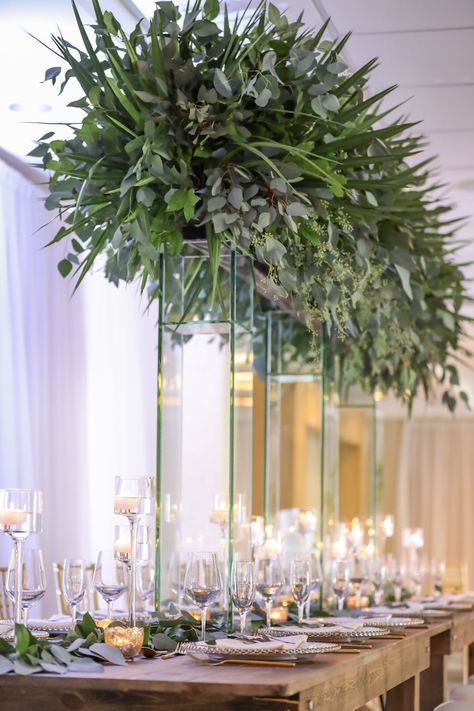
278, 644
5, 629
347, 623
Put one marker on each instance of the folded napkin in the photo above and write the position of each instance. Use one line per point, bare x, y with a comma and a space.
347, 623
281, 643
5, 628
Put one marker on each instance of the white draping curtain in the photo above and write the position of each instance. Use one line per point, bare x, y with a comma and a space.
42, 369
435, 489
77, 383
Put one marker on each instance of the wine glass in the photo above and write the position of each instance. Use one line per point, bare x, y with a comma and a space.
377, 576
146, 581
316, 578
21, 513
33, 580
203, 583
358, 577
109, 579
340, 581
243, 588
133, 499
269, 579
300, 581
74, 584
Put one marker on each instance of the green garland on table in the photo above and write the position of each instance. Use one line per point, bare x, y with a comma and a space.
81, 650
260, 136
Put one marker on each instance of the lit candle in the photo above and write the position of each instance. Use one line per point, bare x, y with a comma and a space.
279, 614
122, 547
126, 504
219, 516
12, 517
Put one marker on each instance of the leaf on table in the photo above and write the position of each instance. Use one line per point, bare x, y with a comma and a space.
85, 666
109, 653
53, 668
163, 642
6, 665
21, 667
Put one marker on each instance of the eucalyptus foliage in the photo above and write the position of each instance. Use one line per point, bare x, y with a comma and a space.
81, 650
258, 134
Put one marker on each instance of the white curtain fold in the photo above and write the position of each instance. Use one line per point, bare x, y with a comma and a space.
435, 489
77, 383
42, 370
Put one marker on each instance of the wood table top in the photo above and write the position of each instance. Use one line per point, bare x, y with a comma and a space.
181, 675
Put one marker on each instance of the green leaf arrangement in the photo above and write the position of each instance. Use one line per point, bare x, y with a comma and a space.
81, 650
256, 135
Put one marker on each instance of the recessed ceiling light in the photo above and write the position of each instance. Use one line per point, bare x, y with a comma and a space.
20, 107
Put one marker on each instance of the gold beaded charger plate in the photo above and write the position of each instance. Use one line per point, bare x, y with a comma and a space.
304, 651
388, 622
453, 607
328, 631
425, 614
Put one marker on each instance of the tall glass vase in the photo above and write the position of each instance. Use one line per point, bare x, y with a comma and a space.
300, 492
204, 453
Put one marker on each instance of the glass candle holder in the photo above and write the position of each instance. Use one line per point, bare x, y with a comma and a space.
21, 513
133, 499
128, 639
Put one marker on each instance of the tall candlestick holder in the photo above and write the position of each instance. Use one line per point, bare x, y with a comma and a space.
133, 499
21, 513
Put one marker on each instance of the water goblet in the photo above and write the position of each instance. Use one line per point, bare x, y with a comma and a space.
270, 579
74, 584
203, 583
243, 588
316, 578
300, 582
340, 581
109, 579
33, 580
146, 581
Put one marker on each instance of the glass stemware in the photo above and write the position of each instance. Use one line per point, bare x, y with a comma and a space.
340, 581
146, 581
243, 588
33, 580
300, 582
203, 583
316, 579
133, 499
74, 584
358, 577
21, 513
109, 579
270, 579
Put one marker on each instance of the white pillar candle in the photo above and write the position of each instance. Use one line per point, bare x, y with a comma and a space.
12, 517
126, 504
122, 547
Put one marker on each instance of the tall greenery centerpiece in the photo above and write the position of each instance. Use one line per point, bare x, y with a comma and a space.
258, 133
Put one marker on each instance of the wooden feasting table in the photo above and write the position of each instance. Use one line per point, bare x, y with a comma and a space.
334, 682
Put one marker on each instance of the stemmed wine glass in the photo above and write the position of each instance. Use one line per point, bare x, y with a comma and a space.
74, 584
358, 577
146, 581
316, 578
33, 580
243, 588
133, 499
300, 581
270, 579
21, 512
340, 581
203, 583
109, 579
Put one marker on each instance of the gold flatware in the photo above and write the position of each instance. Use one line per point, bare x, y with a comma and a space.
254, 662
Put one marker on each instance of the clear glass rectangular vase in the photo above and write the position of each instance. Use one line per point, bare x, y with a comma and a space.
301, 454
204, 438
